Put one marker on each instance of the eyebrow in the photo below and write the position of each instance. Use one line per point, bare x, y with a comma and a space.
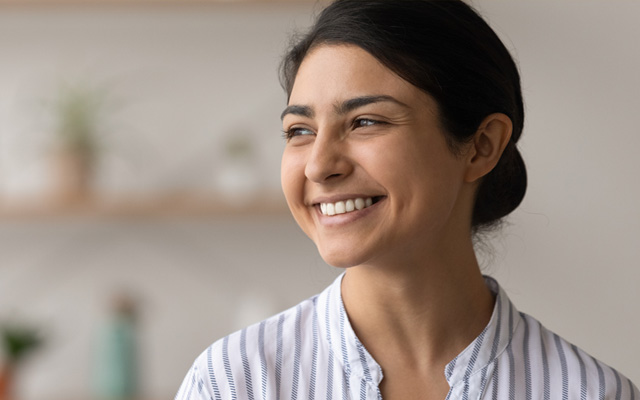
303, 111
344, 107
357, 102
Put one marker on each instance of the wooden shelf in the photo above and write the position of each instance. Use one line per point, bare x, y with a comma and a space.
146, 2
178, 205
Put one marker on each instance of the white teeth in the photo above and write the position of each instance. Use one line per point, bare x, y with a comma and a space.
350, 205
347, 206
331, 209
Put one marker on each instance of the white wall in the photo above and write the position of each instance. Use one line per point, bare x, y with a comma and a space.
190, 76
181, 81
571, 254
190, 277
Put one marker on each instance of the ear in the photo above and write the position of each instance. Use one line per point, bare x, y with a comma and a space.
487, 146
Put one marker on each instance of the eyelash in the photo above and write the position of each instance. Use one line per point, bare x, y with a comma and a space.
368, 120
291, 132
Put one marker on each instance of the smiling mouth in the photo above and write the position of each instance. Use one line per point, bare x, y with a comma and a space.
347, 206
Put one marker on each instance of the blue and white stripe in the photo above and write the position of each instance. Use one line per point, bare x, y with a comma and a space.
311, 352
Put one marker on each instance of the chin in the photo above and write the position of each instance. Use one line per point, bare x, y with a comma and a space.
341, 258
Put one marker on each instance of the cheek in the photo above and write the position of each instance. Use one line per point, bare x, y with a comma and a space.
398, 163
293, 180
289, 175
417, 173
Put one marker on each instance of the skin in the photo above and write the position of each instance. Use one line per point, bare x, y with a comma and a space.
413, 290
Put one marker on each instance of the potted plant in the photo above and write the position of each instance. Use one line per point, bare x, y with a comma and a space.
237, 178
16, 342
78, 116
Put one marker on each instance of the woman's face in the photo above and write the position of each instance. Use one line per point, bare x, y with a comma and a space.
366, 170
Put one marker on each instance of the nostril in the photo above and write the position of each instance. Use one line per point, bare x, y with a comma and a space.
326, 165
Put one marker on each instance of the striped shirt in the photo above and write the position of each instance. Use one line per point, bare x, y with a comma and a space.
311, 352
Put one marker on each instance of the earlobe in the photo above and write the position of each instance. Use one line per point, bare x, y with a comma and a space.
487, 146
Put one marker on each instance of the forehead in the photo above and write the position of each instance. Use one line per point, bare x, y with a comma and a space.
332, 73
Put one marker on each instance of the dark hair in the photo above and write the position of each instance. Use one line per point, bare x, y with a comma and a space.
446, 49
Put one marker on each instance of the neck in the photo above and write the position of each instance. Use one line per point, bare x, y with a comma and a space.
422, 310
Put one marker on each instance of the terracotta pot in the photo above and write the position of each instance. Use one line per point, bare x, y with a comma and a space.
6, 382
72, 177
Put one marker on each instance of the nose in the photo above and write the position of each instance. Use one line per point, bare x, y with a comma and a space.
328, 160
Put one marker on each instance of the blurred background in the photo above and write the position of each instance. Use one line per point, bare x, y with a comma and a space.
141, 216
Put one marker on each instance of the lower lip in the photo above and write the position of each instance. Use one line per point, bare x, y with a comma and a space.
346, 218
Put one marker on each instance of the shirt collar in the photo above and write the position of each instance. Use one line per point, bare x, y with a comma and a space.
346, 349
357, 363
491, 342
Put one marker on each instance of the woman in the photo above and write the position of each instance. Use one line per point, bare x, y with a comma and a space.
401, 130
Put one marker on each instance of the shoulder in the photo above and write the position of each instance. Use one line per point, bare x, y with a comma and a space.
234, 364
562, 367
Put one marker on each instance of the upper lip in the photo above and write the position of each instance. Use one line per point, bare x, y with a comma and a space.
340, 197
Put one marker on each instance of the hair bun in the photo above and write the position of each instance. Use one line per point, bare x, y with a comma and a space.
502, 190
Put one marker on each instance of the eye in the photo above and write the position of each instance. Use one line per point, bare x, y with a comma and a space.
363, 122
296, 131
